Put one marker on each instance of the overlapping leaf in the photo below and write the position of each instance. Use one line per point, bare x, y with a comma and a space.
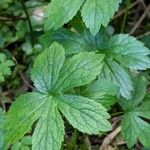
94, 13
75, 42
122, 52
52, 74
134, 127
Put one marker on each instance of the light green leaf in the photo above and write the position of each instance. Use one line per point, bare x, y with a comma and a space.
65, 10
84, 114
23, 113
46, 68
128, 51
49, 132
5, 66
133, 126
79, 70
112, 71
98, 12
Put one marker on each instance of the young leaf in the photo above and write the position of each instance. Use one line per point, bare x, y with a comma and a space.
98, 12
128, 51
43, 105
65, 10
84, 114
4, 66
133, 126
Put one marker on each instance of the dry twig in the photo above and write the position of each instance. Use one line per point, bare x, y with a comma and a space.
140, 21
108, 139
120, 13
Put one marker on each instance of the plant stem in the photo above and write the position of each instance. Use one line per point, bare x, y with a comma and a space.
125, 16
29, 22
116, 114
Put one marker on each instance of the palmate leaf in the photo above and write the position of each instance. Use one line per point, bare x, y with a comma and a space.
52, 74
122, 52
133, 126
5, 65
94, 13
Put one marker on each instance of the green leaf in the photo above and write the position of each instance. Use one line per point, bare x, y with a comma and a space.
98, 12
121, 52
75, 42
4, 66
128, 51
103, 91
143, 110
146, 40
22, 114
64, 10
112, 71
84, 114
94, 13
79, 70
49, 73
137, 95
100, 87
133, 126
49, 132
46, 68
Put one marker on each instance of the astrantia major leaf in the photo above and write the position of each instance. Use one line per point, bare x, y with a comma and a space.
52, 75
